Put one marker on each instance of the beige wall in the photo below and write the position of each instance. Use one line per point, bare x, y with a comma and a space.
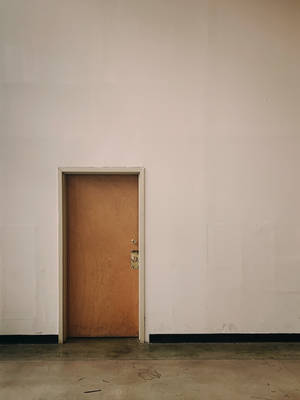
203, 94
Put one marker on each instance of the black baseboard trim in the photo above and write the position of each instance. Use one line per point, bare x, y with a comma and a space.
224, 337
28, 339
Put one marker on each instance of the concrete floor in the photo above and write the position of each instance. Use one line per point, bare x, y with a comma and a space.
125, 369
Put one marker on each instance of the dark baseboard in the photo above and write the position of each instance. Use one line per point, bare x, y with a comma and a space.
172, 338
28, 339
224, 337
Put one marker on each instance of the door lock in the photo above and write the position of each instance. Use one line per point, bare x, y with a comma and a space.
134, 259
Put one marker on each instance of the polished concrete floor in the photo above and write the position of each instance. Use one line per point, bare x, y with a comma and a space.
125, 369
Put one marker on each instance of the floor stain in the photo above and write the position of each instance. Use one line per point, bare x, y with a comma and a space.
148, 374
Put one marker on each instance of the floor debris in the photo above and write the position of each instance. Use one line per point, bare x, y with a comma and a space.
93, 391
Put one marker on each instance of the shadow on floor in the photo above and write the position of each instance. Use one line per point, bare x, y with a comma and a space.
131, 349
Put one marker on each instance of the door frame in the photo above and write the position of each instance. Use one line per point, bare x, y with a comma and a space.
62, 252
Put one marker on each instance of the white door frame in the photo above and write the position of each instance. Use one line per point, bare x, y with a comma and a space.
62, 172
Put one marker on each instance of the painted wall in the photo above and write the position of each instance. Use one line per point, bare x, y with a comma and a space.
205, 95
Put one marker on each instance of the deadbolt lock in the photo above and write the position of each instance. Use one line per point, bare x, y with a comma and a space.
134, 259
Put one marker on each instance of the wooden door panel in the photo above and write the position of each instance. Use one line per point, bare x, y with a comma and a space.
102, 289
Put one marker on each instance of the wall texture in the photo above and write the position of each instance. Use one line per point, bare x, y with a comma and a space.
202, 93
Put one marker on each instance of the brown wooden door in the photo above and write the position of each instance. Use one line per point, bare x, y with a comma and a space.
102, 289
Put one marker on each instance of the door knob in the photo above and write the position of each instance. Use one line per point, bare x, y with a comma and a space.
133, 241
